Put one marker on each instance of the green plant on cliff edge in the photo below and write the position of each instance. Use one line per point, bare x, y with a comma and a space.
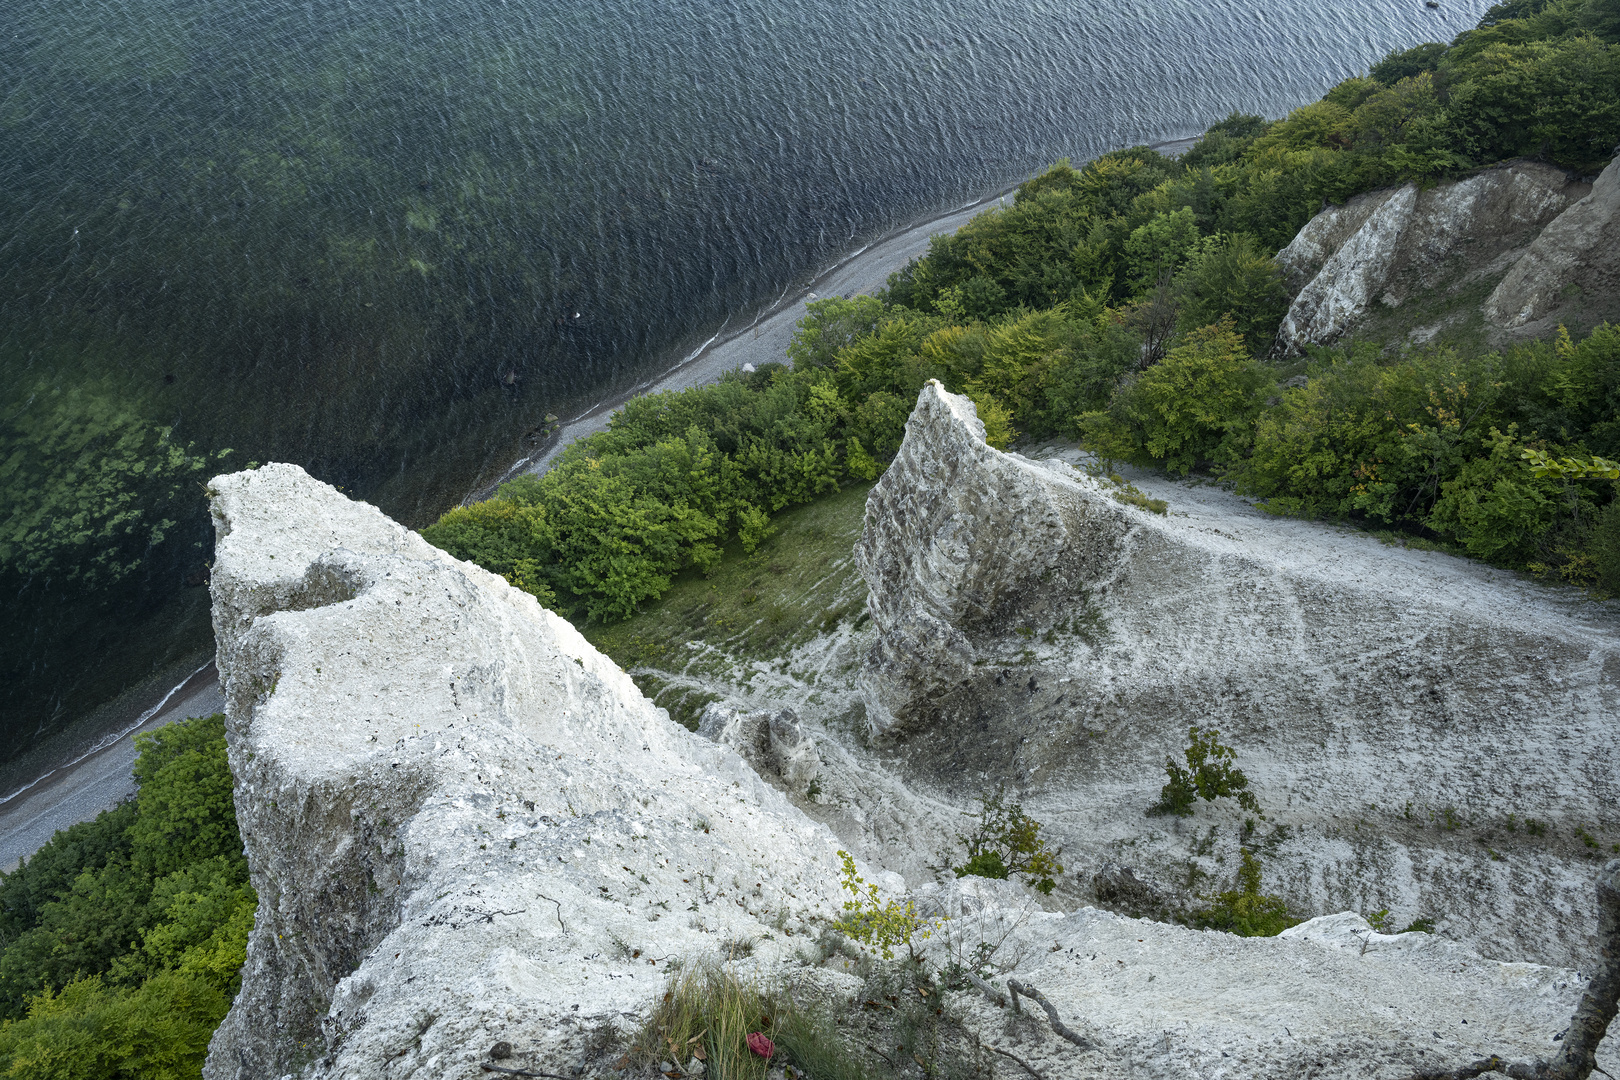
1209, 775
124, 937
876, 923
1245, 910
1008, 841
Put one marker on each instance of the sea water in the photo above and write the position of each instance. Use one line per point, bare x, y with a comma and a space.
385, 239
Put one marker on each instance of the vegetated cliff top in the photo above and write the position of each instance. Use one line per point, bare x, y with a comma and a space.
466, 825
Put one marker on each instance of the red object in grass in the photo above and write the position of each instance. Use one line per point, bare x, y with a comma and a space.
761, 1045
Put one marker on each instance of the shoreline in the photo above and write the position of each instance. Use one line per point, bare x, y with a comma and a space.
95, 780
858, 272
99, 778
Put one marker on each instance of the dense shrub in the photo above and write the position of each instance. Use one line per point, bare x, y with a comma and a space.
1245, 910
124, 937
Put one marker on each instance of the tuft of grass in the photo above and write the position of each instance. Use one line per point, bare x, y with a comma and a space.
707, 1012
1130, 496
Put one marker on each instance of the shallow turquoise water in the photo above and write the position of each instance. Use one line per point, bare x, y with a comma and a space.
384, 239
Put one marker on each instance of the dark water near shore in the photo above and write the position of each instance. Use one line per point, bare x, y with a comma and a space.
384, 239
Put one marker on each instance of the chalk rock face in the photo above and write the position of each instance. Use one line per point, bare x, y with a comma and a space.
1033, 631
464, 824
1581, 248
774, 743
938, 583
1329, 998
1386, 246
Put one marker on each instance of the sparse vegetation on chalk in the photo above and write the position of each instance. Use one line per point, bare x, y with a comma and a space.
1210, 774
1007, 841
1245, 910
880, 925
707, 1013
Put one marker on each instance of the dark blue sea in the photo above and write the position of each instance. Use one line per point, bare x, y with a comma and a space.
384, 239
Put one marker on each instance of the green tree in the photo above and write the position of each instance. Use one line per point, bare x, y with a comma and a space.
133, 928
1404, 63
1228, 276
1210, 774
830, 325
1005, 841
1156, 250
1198, 405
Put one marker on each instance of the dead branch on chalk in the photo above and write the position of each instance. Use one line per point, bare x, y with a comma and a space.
1021, 1061
996, 996
1035, 995
487, 1067
881, 1054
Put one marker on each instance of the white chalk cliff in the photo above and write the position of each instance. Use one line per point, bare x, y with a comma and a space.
1579, 251
465, 825
1030, 629
1385, 247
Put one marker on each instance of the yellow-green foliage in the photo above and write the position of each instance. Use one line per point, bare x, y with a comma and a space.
1008, 841
876, 923
998, 431
90, 1031
125, 936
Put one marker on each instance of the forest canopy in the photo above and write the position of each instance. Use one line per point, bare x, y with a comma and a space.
1132, 303
122, 939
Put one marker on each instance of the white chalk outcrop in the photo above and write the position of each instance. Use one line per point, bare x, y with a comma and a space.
465, 825
1386, 246
774, 743
1580, 250
1329, 998
962, 543
1402, 714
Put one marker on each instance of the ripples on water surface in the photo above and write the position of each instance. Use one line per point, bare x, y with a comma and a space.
334, 233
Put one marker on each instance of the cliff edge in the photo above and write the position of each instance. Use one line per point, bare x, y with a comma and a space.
468, 828
1418, 728
463, 822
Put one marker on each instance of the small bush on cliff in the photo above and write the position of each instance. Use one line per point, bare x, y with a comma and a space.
1209, 775
1008, 841
124, 937
1245, 910
876, 923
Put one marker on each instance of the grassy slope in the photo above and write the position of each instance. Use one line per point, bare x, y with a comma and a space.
753, 611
